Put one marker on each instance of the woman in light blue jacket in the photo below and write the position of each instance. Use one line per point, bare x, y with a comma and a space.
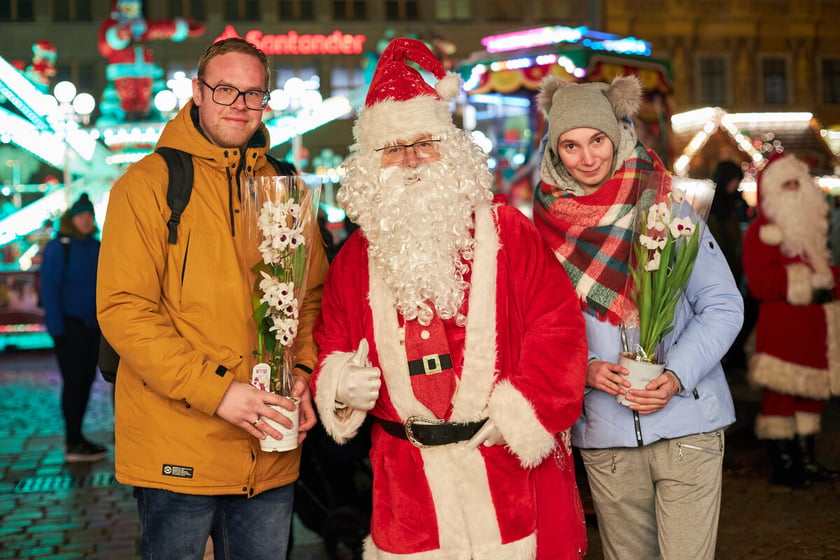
655, 466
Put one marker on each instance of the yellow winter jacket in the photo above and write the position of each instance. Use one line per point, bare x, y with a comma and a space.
180, 318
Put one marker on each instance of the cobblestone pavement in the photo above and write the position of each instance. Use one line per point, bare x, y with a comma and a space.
50, 509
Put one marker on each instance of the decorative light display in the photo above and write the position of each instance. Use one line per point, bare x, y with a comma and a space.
709, 119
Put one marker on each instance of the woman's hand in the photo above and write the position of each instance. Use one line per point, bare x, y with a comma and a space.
608, 377
655, 395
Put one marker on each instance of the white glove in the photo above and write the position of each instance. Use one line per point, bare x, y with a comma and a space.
358, 384
488, 435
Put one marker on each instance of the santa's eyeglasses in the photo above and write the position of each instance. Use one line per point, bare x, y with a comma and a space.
255, 99
423, 149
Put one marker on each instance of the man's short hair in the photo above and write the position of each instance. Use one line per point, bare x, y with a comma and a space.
233, 44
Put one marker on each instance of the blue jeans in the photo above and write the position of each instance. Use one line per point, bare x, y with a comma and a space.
176, 526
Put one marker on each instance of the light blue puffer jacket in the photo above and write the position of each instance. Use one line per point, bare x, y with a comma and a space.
707, 320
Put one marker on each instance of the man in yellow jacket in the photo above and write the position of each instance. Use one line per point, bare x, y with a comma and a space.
188, 422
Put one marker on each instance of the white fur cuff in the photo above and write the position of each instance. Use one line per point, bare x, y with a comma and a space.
807, 423
516, 419
342, 424
770, 234
799, 284
774, 427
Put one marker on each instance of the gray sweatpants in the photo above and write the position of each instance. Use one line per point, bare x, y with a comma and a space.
658, 501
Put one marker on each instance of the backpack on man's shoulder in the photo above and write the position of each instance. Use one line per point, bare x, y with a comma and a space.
180, 166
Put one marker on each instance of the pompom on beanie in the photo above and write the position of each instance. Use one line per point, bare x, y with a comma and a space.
83, 204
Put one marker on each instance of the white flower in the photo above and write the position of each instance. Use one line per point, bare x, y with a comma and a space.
658, 216
652, 243
682, 227
284, 329
677, 195
280, 238
277, 294
654, 261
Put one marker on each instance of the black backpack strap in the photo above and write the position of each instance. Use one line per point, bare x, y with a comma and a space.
180, 186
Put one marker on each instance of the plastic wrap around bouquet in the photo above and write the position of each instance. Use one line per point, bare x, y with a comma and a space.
670, 217
277, 211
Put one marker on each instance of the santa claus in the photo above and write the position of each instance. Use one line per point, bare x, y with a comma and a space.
446, 318
797, 358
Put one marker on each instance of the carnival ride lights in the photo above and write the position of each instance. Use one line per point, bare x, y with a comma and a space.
533, 38
518, 63
541, 36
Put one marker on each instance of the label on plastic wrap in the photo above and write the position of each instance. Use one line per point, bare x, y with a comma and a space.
261, 376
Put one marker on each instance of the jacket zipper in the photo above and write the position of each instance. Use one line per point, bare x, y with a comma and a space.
230, 202
637, 424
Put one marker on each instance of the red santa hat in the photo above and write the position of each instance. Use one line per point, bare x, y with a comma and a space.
400, 103
779, 169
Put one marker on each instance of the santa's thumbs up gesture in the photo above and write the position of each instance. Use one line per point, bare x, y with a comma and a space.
359, 382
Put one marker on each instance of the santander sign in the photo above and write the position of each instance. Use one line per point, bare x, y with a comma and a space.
292, 43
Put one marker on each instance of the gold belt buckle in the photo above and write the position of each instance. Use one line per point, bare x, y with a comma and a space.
409, 424
434, 358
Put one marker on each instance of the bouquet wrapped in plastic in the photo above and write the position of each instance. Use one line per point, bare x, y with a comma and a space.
276, 213
667, 238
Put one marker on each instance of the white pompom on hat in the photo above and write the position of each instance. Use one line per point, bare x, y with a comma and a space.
400, 104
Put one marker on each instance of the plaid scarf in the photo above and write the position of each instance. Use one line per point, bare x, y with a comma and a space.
592, 235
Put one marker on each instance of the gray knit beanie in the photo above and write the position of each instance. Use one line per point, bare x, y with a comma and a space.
604, 107
594, 105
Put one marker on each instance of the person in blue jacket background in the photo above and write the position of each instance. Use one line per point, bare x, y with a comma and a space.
655, 466
68, 296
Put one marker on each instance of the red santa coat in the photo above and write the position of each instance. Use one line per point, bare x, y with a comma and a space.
797, 342
524, 359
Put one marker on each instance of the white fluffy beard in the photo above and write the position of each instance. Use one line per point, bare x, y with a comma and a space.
419, 224
802, 215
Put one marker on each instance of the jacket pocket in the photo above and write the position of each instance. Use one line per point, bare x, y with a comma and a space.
198, 272
711, 443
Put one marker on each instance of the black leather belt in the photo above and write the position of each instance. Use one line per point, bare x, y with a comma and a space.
425, 432
431, 364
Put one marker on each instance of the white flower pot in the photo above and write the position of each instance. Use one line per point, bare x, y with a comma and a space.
290, 435
641, 373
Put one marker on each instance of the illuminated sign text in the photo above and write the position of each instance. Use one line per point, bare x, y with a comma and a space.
292, 43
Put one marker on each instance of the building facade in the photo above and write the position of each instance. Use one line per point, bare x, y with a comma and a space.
744, 56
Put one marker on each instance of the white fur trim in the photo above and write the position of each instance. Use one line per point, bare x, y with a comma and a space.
823, 279
799, 291
775, 427
341, 425
770, 234
390, 348
479, 372
789, 378
389, 121
517, 420
807, 423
